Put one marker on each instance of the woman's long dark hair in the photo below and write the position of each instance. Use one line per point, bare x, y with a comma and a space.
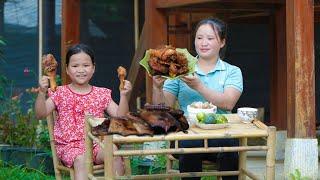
78, 48
218, 27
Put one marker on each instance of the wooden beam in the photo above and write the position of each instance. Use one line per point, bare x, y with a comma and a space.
278, 93
300, 69
249, 15
136, 72
179, 3
70, 31
156, 29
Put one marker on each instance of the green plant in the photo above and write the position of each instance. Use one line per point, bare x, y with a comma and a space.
2, 43
17, 127
297, 176
43, 139
18, 172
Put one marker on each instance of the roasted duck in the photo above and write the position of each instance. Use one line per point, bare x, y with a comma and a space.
167, 61
164, 119
153, 119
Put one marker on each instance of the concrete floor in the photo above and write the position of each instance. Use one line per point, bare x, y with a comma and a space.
257, 165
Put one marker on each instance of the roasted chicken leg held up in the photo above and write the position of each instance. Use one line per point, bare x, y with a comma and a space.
122, 73
49, 68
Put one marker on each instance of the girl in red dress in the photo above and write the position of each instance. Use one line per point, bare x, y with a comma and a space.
71, 102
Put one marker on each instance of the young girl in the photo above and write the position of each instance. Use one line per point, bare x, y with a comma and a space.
215, 81
71, 102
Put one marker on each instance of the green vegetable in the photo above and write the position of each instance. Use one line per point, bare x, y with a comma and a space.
210, 119
201, 116
221, 119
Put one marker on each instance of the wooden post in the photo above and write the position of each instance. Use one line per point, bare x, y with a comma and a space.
278, 103
301, 150
156, 24
70, 31
300, 69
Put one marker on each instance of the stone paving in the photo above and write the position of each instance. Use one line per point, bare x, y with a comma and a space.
257, 166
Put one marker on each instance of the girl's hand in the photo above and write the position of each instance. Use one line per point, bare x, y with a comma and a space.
44, 84
127, 88
192, 81
158, 81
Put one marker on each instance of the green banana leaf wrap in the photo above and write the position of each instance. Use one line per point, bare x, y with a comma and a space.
191, 63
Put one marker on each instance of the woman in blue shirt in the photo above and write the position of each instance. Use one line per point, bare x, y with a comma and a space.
215, 81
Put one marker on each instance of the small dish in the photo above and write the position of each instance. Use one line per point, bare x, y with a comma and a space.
211, 126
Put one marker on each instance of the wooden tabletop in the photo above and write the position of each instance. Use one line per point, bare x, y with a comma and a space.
235, 129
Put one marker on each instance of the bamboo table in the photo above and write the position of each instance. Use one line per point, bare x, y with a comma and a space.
235, 129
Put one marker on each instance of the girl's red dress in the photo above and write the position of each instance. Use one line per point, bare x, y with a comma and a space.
69, 126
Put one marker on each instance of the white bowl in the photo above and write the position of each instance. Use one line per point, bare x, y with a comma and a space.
192, 113
247, 114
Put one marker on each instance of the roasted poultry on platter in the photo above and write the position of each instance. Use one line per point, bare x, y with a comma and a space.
153, 119
49, 68
167, 61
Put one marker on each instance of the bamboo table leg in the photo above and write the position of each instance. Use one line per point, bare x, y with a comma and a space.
108, 157
242, 158
271, 143
88, 144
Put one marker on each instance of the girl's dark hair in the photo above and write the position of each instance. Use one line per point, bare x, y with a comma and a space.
78, 48
218, 27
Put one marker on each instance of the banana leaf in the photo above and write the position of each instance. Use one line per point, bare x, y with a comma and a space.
191, 63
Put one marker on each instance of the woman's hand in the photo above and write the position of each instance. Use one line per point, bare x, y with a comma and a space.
44, 84
158, 82
126, 89
192, 81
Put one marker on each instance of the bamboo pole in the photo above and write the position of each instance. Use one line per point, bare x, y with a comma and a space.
271, 143
90, 176
249, 174
71, 172
188, 150
136, 23
64, 168
242, 157
206, 143
185, 174
181, 136
108, 158
88, 144
40, 39
95, 139
260, 124
127, 165
190, 174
